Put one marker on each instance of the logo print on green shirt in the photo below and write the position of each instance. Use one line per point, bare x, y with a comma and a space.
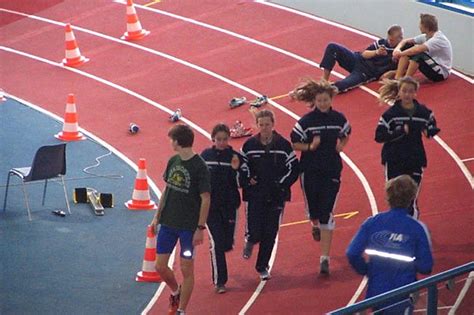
179, 179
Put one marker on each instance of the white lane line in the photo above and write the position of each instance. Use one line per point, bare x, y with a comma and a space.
120, 155
90, 135
359, 290
456, 158
161, 287
468, 160
344, 27
111, 84
261, 285
464, 170
462, 294
357, 171
243, 37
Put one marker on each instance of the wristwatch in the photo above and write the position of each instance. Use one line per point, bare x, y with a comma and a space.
201, 227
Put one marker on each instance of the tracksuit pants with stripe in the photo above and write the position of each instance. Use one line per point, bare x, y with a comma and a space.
221, 233
263, 223
416, 173
349, 61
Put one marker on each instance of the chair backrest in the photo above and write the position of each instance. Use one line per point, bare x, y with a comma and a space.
49, 162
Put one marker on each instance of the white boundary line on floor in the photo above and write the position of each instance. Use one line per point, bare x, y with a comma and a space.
443, 144
120, 155
462, 294
344, 27
357, 171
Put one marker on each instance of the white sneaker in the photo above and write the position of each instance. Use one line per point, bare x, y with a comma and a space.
264, 275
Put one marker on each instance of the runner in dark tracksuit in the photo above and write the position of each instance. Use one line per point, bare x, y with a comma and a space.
320, 135
225, 200
271, 170
400, 130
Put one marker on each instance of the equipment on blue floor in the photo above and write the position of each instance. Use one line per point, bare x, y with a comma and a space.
98, 201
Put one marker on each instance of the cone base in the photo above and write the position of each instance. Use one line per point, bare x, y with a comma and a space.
129, 37
77, 63
142, 278
78, 137
133, 206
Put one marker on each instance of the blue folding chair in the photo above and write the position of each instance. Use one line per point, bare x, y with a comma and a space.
49, 163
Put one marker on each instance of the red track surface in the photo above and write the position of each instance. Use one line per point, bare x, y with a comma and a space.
446, 199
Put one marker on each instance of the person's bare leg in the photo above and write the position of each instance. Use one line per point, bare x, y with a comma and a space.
187, 269
326, 240
326, 74
165, 272
412, 68
388, 75
402, 67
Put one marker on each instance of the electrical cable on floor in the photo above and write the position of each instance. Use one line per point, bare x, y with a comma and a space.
110, 176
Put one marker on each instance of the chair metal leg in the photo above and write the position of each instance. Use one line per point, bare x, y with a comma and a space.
44, 190
26, 200
65, 195
6, 192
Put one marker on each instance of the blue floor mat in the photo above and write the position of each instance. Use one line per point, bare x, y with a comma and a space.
77, 264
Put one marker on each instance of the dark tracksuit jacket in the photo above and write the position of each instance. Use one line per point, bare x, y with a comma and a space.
225, 200
321, 169
405, 153
398, 247
275, 168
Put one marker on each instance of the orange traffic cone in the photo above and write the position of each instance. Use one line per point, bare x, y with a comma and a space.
134, 28
73, 54
70, 127
141, 194
149, 273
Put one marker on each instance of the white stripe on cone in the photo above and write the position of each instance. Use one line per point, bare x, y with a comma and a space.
141, 195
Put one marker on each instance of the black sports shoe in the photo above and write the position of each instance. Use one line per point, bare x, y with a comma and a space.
248, 248
264, 275
316, 232
324, 267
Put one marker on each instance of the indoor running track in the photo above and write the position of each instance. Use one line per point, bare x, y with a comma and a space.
198, 56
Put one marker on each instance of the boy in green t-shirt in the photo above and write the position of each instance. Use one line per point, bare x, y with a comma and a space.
182, 214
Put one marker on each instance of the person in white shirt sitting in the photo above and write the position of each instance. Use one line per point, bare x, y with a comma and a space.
431, 52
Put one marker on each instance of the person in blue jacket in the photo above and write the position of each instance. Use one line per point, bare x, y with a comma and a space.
224, 165
397, 246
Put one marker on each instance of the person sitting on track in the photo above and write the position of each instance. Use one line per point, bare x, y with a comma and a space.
224, 164
397, 246
182, 214
363, 67
400, 129
271, 168
320, 135
432, 53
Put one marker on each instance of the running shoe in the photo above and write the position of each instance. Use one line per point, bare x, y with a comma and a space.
248, 248
324, 267
316, 232
176, 116
220, 289
174, 304
237, 101
238, 130
259, 101
264, 275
